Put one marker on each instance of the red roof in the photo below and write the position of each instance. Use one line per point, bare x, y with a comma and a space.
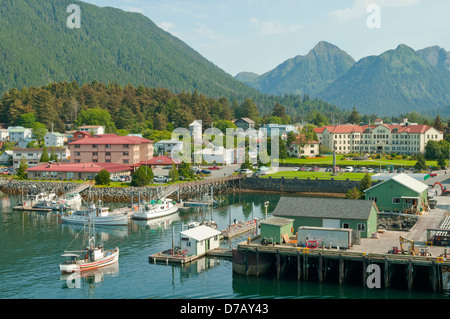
80, 167
111, 139
301, 139
160, 160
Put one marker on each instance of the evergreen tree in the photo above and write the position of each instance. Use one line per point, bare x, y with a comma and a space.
354, 193
21, 171
421, 164
366, 182
173, 173
354, 117
44, 156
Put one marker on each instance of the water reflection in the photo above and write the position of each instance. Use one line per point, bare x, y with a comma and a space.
89, 280
161, 223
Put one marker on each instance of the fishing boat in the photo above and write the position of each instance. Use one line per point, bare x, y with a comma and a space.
50, 201
93, 256
100, 215
155, 209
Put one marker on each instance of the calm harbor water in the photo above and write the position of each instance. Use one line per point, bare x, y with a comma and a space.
31, 245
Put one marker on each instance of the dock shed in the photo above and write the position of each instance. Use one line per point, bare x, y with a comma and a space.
277, 228
401, 193
358, 215
198, 240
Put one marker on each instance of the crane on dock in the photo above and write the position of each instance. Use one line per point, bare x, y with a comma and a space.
444, 190
411, 250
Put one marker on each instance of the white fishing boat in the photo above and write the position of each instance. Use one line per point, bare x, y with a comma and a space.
155, 209
72, 200
92, 257
100, 215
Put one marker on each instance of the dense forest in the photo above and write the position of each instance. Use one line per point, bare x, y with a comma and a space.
134, 109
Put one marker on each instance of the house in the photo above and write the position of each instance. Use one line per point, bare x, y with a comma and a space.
83, 171
198, 240
23, 143
244, 123
93, 129
6, 157
358, 215
33, 155
400, 193
165, 147
111, 148
4, 135
54, 139
76, 135
404, 138
17, 133
301, 147
219, 155
276, 228
282, 130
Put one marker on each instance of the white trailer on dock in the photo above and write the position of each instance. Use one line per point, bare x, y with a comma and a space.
315, 237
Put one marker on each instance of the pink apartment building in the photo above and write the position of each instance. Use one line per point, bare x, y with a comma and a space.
111, 148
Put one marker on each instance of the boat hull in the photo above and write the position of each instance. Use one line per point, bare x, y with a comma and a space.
83, 265
152, 215
111, 220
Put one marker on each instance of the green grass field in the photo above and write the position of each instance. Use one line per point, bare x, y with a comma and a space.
314, 175
340, 162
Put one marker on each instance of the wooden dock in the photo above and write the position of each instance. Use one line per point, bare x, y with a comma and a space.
239, 228
167, 257
31, 209
220, 252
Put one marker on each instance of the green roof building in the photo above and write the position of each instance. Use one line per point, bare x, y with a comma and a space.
401, 193
357, 215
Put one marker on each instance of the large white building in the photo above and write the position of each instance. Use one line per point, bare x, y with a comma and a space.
32, 156
387, 138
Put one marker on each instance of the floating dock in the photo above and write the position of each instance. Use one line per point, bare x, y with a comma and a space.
239, 228
168, 257
31, 209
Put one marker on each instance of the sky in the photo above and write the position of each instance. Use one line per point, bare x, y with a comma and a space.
257, 35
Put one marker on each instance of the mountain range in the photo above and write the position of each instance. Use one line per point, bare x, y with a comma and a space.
37, 47
397, 81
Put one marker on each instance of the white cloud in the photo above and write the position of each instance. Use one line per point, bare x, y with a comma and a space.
274, 27
359, 8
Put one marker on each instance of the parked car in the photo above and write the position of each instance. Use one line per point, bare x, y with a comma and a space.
116, 179
214, 167
246, 171
167, 167
329, 169
205, 171
370, 170
161, 179
348, 169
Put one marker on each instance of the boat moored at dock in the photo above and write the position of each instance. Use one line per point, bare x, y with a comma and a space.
100, 215
157, 209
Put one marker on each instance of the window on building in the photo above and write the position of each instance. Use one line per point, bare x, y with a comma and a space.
395, 200
372, 198
345, 225
362, 227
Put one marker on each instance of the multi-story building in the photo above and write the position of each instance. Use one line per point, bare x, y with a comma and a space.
302, 147
387, 138
54, 139
94, 129
17, 133
111, 148
33, 156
